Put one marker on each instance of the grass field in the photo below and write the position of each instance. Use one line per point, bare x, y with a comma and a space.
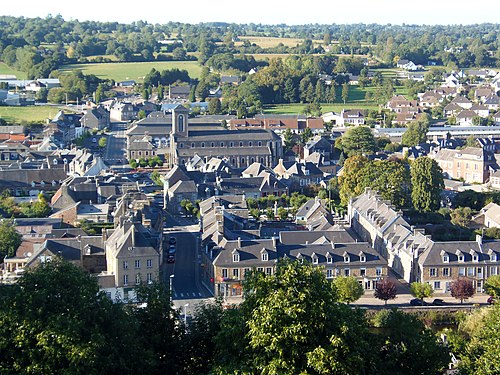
295, 109
5, 69
30, 114
270, 42
134, 70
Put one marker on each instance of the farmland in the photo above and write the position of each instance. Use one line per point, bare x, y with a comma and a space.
5, 69
16, 115
134, 70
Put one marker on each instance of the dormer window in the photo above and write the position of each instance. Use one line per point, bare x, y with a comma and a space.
347, 258
236, 257
475, 258
493, 257
446, 259
362, 257
329, 259
264, 256
460, 258
314, 258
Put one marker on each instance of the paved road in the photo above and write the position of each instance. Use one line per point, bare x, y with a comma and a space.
186, 269
114, 155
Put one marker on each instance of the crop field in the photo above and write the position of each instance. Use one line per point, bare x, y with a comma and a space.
37, 113
5, 69
134, 70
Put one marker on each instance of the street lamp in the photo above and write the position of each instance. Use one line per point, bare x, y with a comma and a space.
185, 315
171, 286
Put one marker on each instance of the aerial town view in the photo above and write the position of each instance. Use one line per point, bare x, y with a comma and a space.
249, 188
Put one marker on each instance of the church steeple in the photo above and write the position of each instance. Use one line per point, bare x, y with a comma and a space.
180, 121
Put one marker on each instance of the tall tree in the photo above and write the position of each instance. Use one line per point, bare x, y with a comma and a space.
358, 140
351, 179
427, 184
9, 238
345, 92
416, 133
492, 286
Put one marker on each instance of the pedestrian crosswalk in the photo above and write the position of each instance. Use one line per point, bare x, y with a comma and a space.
186, 295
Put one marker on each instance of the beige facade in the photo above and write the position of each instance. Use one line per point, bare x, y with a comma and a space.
470, 164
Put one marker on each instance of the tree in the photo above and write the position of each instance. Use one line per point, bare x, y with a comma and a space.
99, 93
427, 184
102, 142
345, 92
421, 290
480, 353
492, 286
351, 179
461, 216
214, 106
290, 323
348, 289
358, 140
306, 135
57, 322
462, 289
404, 337
9, 238
415, 133
141, 114
385, 290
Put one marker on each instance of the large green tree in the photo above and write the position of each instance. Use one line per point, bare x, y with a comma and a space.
57, 322
9, 238
492, 286
415, 133
358, 140
421, 290
427, 184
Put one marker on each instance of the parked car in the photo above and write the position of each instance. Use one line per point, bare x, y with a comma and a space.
490, 300
171, 250
172, 240
418, 302
171, 259
438, 302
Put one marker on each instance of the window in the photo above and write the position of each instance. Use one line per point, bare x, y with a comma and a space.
137, 279
460, 258
260, 269
446, 259
231, 144
125, 265
250, 144
461, 271
362, 272
494, 270
432, 272
362, 258
475, 258
493, 257
137, 263
447, 286
149, 263
315, 260
224, 272
259, 144
222, 144
202, 144
241, 144
329, 259
379, 271
125, 280
446, 272
192, 145
246, 271
181, 145
346, 259
437, 285
347, 271
236, 272
212, 144
466, 165
329, 273
264, 257
471, 271
269, 271
479, 271
149, 278
236, 257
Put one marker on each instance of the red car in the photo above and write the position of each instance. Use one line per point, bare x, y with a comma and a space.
171, 259
490, 300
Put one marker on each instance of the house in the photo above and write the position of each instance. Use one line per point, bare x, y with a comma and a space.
496, 118
492, 102
480, 110
491, 214
377, 222
180, 92
347, 117
462, 101
444, 262
230, 80
96, 118
452, 110
419, 77
121, 111
473, 164
321, 145
406, 64
86, 163
465, 117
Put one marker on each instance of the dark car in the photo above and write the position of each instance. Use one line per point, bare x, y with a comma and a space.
490, 300
171, 259
438, 302
171, 249
417, 302
172, 240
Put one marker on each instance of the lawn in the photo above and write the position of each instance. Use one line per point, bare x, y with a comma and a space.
5, 69
29, 114
134, 70
291, 109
